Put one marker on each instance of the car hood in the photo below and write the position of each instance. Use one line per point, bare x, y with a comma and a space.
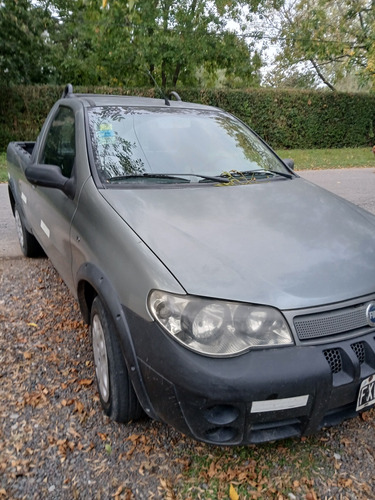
285, 243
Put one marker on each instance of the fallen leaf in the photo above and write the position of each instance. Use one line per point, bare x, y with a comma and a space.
67, 402
118, 491
233, 495
79, 407
85, 381
311, 495
73, 432
365, 416
133, 438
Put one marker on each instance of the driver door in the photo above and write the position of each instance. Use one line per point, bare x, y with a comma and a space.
51, 211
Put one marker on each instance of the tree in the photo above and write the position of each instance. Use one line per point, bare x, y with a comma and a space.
77, 42
24, 47
135, 43
333, 37
291, 78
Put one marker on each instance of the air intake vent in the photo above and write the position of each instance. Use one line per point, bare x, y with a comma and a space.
333, 357
359, 350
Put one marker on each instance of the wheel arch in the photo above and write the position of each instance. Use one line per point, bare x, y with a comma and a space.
15, 201
93, 282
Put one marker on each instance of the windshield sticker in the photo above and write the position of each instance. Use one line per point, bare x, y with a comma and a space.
105, 134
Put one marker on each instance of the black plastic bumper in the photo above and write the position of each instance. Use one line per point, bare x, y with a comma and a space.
263, 395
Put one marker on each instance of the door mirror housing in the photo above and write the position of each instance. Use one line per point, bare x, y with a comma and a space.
50, 176
289, 163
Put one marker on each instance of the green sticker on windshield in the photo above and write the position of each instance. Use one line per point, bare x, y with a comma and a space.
105, 134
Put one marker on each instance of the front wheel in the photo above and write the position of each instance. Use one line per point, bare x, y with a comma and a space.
28, 243
116, 392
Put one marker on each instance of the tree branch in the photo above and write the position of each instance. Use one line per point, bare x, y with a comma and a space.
321, 76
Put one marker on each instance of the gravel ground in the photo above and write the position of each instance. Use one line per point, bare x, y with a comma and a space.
56, 443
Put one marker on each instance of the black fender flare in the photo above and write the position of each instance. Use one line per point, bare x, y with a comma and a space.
11, 194
100, 285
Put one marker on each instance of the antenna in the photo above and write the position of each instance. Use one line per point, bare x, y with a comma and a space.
166, 101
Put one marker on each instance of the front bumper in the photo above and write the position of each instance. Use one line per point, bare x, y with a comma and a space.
260, 396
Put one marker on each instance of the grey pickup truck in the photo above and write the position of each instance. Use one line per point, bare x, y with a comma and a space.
225, 295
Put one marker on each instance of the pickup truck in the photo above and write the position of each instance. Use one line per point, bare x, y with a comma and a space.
226, 296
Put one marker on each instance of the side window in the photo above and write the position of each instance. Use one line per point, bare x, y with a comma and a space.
60, 145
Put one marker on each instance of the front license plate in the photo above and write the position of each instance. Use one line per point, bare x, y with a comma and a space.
366, 396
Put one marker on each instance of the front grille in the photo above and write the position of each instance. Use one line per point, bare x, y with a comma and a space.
325, 324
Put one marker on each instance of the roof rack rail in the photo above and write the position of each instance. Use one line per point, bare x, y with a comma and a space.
174, 94
68, 91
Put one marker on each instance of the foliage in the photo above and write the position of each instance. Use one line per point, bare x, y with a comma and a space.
140, 38
131, 43
3, 167
334, 37
291, 78
23, 48
284, 118
298, 119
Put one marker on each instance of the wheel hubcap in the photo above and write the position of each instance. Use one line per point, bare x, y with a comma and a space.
100, 358
19, 228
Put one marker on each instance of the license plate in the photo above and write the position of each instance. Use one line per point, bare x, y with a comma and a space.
366, 396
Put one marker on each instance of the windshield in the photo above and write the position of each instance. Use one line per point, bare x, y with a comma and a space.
189, 145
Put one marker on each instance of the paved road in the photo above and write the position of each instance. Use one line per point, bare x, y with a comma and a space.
9, 246
355, 184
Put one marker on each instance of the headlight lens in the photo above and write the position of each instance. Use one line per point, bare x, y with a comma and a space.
218, 328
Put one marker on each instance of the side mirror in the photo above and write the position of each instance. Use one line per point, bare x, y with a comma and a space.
289, 163
50, 176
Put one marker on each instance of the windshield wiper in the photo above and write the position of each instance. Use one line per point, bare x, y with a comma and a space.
167, 176
287, 175
261, 171
146, 176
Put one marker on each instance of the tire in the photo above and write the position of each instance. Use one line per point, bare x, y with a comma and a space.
28, 243
116, 392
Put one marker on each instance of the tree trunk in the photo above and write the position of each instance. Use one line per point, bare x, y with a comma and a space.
151, 70
176, 73
163, 76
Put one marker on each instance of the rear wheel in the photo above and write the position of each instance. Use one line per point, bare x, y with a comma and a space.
116, 392
28, 243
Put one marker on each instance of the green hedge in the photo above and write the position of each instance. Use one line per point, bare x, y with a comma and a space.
284, 118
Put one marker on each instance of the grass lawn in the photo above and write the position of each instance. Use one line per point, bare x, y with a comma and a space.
329, 158
3, 167
303, 159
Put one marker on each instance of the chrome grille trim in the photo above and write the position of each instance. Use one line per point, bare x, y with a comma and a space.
335, 322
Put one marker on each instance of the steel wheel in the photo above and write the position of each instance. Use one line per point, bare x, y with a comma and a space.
19, 228
116, 392
28, 243
100, 358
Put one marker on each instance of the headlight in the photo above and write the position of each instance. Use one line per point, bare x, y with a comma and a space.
218, 328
